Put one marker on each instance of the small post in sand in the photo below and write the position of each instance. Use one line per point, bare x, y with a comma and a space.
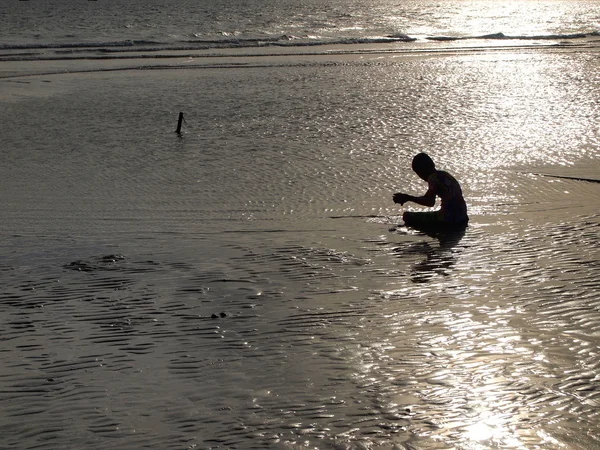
181, 119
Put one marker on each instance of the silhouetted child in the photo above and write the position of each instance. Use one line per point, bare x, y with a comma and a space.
453, 212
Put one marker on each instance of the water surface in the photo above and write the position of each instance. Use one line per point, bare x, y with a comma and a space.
238, 286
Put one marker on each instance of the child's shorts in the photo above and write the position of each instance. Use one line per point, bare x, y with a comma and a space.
430, 221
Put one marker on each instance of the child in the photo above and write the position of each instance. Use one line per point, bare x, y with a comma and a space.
453, 213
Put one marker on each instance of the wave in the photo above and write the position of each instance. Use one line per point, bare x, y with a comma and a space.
199, 44
264, 41
502, 36
126, 43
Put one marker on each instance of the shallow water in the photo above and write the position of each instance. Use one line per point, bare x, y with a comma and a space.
238, 286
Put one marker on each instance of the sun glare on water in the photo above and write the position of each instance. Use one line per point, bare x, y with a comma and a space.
512, 18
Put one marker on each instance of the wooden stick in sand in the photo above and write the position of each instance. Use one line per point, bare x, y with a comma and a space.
181, 119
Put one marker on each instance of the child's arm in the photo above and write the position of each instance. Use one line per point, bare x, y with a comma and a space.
425, 200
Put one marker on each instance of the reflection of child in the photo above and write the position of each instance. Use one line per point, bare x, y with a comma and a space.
452, 214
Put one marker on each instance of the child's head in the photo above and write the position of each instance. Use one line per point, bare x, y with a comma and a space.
423, 165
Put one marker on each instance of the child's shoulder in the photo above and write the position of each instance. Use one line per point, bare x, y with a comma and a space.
443, 175
438, 175
442, 178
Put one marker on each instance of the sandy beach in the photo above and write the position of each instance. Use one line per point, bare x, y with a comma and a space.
238, 286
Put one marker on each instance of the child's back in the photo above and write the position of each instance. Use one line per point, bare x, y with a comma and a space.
453, 210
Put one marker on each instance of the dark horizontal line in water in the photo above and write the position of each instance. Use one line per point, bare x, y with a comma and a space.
565, 177
230, 280
359, 216
282, 230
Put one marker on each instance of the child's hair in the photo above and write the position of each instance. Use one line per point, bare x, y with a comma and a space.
422, 163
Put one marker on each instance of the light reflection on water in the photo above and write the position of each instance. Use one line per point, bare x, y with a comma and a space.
492, 368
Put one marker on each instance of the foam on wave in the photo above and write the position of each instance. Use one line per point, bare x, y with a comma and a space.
281, 40
502, 36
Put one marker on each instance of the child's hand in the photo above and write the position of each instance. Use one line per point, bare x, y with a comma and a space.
401, 198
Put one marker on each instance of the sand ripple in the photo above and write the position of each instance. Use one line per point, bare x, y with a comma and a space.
489, 338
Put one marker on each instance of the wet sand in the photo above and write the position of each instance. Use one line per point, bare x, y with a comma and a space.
212, 298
